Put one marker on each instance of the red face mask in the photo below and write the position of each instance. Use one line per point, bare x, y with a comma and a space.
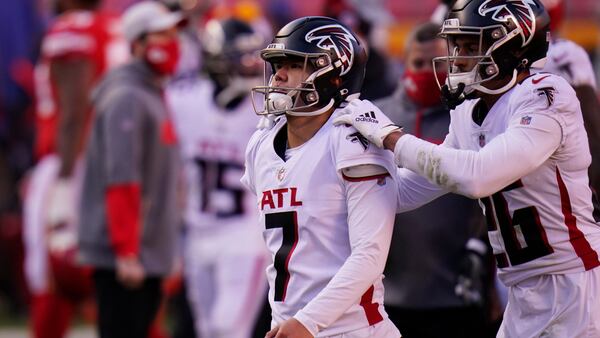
163, 57
422, 88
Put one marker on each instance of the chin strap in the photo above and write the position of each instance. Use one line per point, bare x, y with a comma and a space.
452, 99
314, 112
266, 122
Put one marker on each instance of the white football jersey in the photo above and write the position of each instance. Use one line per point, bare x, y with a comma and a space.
571, 61
530, 158
212, 142
312, 228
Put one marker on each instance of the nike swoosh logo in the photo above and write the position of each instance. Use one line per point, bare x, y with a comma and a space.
536, 81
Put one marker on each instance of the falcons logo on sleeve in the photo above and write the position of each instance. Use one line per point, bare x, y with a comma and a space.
337, 38
520, 11
358, 138
548, 92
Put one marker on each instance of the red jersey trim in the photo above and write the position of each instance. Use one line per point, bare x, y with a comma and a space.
582, 247
123, 217
366, 178
371, 309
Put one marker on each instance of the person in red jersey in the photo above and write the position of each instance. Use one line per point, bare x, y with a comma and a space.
78, 48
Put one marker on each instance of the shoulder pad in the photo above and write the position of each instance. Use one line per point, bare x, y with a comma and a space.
546, 90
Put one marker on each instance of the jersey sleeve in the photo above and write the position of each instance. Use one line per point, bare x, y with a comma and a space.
371, 209
351, 149
534, 133
415, 190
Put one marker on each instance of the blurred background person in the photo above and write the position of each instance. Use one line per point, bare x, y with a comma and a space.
569, 60
189, 46
439, 269
368, 19
79, 46
129, 195
224, 256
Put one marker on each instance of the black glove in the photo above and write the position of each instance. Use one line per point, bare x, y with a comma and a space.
469, 285
453, 99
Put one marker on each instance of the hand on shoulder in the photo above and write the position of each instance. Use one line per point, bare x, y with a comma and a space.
369, 120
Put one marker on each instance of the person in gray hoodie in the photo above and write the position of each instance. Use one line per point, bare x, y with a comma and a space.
128, 207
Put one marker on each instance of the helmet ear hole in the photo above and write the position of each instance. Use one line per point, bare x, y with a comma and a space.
311, 97
491, 70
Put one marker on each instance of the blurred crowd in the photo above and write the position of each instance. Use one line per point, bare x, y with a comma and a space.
453, 284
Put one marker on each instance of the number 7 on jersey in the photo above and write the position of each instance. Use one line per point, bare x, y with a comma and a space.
288, 222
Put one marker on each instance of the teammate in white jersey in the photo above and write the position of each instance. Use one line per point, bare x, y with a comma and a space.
224, 257
325, 195
518, 143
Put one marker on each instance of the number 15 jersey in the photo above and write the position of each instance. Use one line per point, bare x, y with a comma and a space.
212, 140
328, 236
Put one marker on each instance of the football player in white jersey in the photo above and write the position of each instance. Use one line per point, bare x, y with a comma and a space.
325, 196
517, 142
569, 60
224, 257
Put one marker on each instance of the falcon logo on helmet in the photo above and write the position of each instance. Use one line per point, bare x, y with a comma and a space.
520, 11
338, 38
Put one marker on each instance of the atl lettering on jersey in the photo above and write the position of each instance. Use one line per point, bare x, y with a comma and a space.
280, 197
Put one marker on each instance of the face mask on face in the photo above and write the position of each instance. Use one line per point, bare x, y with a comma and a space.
422, 88
163, 56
